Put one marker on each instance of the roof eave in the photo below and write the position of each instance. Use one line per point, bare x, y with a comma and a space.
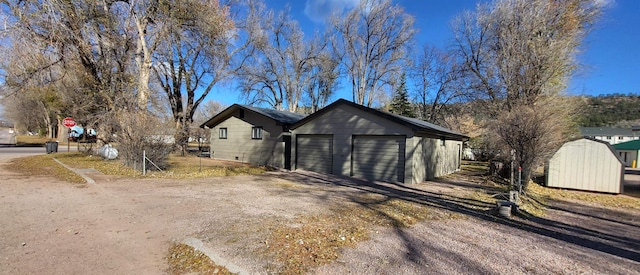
438, 134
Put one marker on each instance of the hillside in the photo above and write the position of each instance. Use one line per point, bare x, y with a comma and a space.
610, 110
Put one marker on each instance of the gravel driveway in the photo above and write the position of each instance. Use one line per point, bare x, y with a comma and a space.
125, 226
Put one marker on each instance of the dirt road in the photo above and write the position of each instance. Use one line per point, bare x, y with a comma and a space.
125, 226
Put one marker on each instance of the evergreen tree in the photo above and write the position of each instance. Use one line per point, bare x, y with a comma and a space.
400, 103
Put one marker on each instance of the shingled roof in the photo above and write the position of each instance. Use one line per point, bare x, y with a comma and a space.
416, 125
282, 117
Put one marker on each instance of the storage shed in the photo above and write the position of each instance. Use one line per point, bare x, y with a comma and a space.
349, 139
586, 164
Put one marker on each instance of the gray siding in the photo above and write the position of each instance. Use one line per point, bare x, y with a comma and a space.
240, 146
314, 153
586, 165
345, 121
379, 158
628, 156
432, 159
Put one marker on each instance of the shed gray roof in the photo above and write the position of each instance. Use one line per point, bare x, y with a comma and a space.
282, 117
416, 125
607, 131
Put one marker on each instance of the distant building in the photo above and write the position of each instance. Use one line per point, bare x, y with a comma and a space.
611, 135
628, 152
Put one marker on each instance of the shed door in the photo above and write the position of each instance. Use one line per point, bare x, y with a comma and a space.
378, 158
314, 153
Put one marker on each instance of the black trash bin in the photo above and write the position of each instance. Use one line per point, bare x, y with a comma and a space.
51, 146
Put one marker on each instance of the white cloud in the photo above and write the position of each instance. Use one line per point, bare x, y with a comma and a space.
604, 3
320, 10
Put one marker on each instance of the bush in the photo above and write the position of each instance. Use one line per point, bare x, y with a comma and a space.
138, 136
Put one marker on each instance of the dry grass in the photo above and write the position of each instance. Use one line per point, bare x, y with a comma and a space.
184, 259
180, 167
44, 165
107, 167
475, 168
609, 200
31, 140
188, 167
318, 239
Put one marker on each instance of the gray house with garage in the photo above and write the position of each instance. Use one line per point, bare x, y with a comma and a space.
348, 139
343, 138
252, 135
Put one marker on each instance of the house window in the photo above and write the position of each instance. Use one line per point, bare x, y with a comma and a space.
608, 137
620, 138
256, 133
222, 133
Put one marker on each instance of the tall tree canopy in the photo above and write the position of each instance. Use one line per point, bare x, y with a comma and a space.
518, 55
194, 55
280, 63
373, 41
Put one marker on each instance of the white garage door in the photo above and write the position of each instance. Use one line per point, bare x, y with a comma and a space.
378, 158
314, 153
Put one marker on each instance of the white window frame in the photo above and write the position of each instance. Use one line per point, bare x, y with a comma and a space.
223, 133
256, 132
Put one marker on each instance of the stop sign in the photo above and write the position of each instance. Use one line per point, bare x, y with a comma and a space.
68, 122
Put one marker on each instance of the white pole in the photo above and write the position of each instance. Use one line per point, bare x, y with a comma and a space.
144, 162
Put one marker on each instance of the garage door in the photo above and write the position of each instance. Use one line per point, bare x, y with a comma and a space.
314, 153
378, 158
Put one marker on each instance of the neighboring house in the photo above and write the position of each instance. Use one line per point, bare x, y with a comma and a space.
628, 152
610, 135
348, 139
586, 164
252, 135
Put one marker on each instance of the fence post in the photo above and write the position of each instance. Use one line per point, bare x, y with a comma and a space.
144, 162
519, 180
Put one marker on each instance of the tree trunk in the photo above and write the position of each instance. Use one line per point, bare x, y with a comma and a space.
143, 59
182, 135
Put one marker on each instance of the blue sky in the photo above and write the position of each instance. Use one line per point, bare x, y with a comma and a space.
610, 54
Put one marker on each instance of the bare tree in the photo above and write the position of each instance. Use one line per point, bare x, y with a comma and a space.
281, 62
436, 77
82, 40
324, 73
373, 42
143, 13
194, 56
518, 54
207, 110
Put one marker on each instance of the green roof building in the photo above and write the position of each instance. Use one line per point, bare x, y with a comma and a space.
628, 152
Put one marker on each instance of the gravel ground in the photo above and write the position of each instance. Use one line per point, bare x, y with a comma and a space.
125, 226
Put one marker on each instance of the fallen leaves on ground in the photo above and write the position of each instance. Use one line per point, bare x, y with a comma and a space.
184, 259
318, 239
